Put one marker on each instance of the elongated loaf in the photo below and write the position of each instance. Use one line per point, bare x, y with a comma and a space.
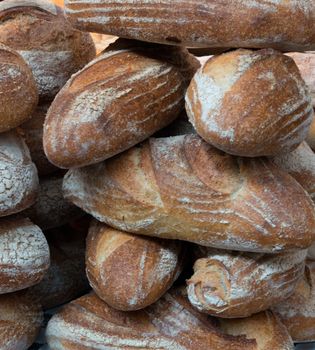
183, 188
298, 312
51, 209
32, 132
19, 95
300, 164
20, 319
54, 50
231, 284
130, 272
205, 23
118, 100
250, 103
24, 254
18, 175
170, 323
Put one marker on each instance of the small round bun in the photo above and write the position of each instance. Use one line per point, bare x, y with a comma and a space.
250, 103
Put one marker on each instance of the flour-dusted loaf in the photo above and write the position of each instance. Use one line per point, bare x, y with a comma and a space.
118, 100
18, 175
20, 321
66, 278
233, 284
171, 323
300, 164
54, 50
183, 188
51, 208
24, 254
130, 272
283, 24
250, 103
298, 312
32, 131
18, 91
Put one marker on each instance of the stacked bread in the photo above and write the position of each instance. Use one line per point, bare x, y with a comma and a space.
199, 177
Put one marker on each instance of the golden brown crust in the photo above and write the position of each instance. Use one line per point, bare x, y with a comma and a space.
250, 103
19, 95
183, 188
53, 49
20, 321
208, 23
115, 102
130, 272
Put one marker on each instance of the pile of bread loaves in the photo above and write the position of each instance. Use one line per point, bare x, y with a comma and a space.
179, 188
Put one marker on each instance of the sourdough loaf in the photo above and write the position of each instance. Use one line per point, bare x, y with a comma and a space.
19, 95
250, 103
232, 285
24, 254
54, 50
183, 188
122, 97
130, 272
205, 23
171, 323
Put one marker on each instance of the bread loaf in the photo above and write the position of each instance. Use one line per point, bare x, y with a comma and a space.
250, 103
54, 50
20, 320
118, 100
66, 278
18, 175
300, 164
51, 209
298, 312
183, 188
32, 131
130, 272
24, 254
205, 23
230, 284
88, 323
19, 95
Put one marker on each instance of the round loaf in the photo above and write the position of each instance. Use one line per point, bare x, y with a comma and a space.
233, 285
54, 50
20, 320
115, 102
183, 188
18, 175
19, 95
298, 312
130, 272
24, 254
250, 103
32, 131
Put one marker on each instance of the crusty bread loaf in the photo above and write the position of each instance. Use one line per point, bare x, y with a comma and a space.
298, 312
130, 272
300, 164
171, 323
32, 132
250, 103
231, 284
183, 188
19, 95
51, 209
205, 23
54, 50
20, 320
66, 278
311, 252
18, 175
24, 254
118, 100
